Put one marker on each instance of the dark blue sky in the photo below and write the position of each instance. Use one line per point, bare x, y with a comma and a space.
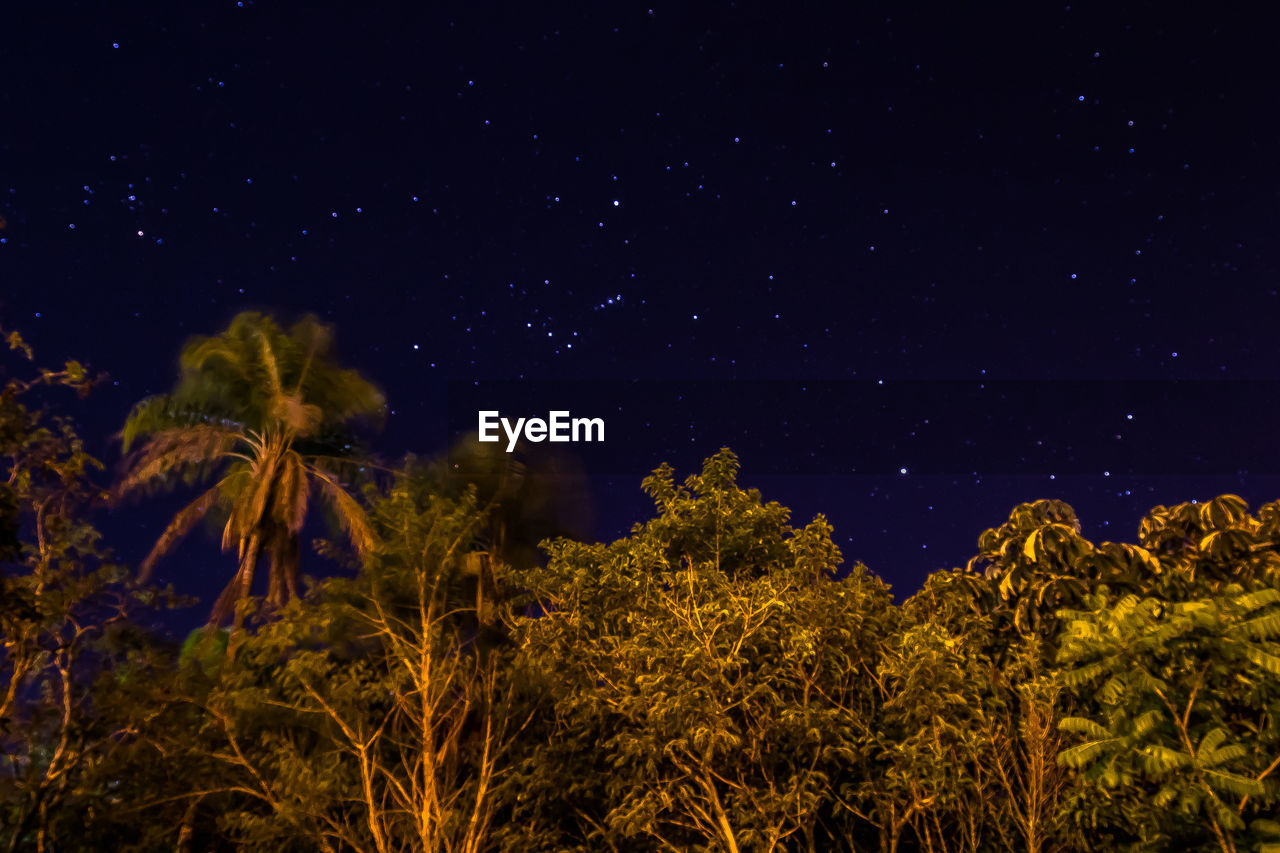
730, 192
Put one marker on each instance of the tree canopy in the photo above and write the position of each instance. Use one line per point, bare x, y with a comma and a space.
719, 679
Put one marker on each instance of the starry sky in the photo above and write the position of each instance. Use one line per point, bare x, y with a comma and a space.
1043, 235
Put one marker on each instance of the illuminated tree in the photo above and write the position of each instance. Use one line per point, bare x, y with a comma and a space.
1032, 562
360, 719
1178, 743
709, 681
264, 410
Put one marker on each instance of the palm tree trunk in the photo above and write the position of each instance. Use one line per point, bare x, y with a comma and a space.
247, 569
241, 585
282, 571
289, 566
275, 576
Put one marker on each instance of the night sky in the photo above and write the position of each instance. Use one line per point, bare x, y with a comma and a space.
759, 211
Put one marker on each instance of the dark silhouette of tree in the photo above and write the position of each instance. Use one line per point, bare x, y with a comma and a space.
70, 648
525, 498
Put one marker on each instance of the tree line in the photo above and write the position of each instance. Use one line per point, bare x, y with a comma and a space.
718, 680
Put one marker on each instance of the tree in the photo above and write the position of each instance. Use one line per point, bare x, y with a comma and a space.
1033, 563
1181, 744
968, 747
361, 720
71, 648
268, 413
707, 680
1177, 644
930, 736
1208, 545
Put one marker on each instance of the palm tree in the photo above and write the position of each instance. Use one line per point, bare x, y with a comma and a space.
266, 412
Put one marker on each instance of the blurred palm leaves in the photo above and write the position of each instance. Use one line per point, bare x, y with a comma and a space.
267, 412
526, 497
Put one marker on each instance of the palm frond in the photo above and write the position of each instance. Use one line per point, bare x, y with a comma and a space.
303, 418
181, 524
174, 450
273, 366
147, 416
265, 471
233, 488
252, 492
197, 355
316, 339
352, 517
289, 508
242, 584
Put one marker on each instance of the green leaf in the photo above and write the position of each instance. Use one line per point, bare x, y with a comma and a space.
1083, 755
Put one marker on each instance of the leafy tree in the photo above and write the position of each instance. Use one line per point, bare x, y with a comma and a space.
968, 746
360, 719
266, 411
707, 679
1182, 744
1038, 563
71, 648
1208, 545
931, 739
1033, 562
716, 680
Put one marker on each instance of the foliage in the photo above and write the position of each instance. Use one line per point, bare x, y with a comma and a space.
72, 652
707, 677
362, 719
1208, 545
968, 745
266, 410
1033, 563
1185, 696
716, 680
